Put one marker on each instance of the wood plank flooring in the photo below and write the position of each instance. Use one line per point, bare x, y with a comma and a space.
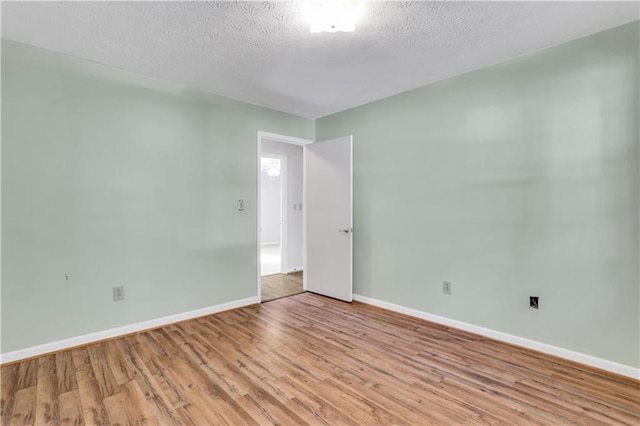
307, 359
281, 285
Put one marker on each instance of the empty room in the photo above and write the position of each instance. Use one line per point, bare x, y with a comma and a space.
320, 212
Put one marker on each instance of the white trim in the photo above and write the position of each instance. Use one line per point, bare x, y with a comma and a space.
258, 214
292, 270
351, 214
284, 217
603, 364
283, 138
121, 331
275, 243
304, 217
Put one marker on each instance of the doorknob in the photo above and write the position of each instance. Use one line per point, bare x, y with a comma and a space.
346, 230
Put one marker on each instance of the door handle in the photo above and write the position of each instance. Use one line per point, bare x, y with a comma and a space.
346, 230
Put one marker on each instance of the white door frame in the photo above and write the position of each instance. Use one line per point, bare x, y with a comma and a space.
294, 141
284, 200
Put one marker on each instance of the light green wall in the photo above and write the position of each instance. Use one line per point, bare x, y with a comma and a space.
520, 179
117, 179
516, 180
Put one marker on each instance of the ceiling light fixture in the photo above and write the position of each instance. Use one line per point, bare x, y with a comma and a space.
270, 166
333, 15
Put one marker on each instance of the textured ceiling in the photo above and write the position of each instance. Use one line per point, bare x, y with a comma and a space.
263, 53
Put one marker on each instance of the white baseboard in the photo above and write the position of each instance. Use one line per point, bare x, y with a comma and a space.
120, 331
292, 270
603, 364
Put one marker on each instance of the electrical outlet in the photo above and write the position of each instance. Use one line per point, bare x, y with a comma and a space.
118, 293
446, 287
534, 302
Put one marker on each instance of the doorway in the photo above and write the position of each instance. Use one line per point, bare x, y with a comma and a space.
322, 240
280, 216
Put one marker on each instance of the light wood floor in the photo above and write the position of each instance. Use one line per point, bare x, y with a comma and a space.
281, 285
310, 359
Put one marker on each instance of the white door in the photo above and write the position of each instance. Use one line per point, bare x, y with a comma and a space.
328, 198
